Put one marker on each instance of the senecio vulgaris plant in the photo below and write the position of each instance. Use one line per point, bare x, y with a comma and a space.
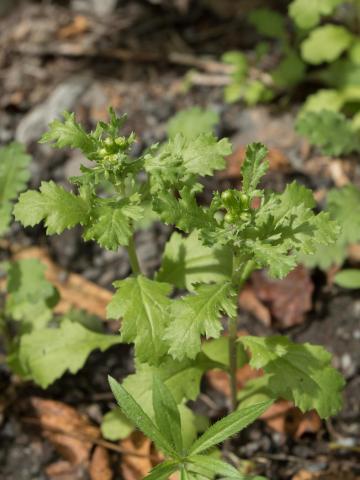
207, 259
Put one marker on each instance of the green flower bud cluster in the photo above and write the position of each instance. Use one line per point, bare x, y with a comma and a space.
236, 204
110, 148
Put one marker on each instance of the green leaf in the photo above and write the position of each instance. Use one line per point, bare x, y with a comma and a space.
167, 415
47, 353
348, 278
192, 122
144, 307
186, 261
299, 373
354, 53
215, 467
228, 426
268, 22
30, 296
324, 99
137, 415
196, 315
307, 13
115, 425
290, 71
163, 470
69, 133
5, 216
326, 44
181, 157
340, 202
182, 211
58, 208
181, 378
218, 351
330, 131
14, 173
254, 167
111, 226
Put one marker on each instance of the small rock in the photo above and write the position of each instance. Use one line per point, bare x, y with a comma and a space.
64, 97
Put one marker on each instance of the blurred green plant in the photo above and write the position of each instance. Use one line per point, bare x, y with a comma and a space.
301, 49
219, 246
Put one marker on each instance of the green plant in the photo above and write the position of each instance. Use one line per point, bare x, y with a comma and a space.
339, 202
327, 55
39, 345
224, 242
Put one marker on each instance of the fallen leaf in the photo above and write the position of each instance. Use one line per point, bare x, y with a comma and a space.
134, 467
288, 299
75, 290
219, 379
79, 25
249, 301
66, 429
63, 470
284, 418
100, 468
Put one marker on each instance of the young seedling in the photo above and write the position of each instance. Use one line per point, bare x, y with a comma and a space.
166, 433
224, 242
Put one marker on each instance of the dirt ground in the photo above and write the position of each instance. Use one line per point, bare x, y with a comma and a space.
135, 55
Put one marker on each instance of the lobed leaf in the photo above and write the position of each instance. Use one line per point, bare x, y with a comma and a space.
299, 373
254, 167
326, 44
58, 208
307, 13
186, 261
192, 122
69, 133
196, 315
144, 307
47, 353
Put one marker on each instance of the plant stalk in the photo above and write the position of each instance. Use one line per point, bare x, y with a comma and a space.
240, 275
134, 261
233, 362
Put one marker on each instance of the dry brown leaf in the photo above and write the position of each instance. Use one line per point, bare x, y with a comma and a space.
63, 470
66, 429
100, 465
354, 253
78, 26
249, 301
283, 417
219, 379
75, 291
277, 162
136, 468
288, 299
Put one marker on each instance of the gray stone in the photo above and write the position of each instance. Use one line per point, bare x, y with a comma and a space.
64, 97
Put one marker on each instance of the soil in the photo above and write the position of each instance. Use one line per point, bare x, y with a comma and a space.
49, 63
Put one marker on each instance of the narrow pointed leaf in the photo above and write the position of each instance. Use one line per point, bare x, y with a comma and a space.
137, 415
215, 467
228, 427
167, 415
163, 470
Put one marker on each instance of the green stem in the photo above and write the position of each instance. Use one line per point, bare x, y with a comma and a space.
134, 262
233, 362
240, 275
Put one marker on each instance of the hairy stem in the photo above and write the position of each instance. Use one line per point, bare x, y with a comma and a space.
240, 275
233, 362
134, 261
